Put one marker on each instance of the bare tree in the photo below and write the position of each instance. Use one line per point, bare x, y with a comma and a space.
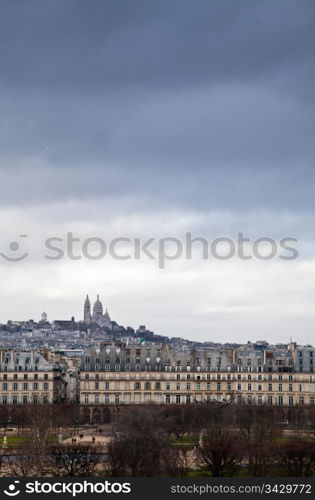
41, 426
174, 421
3, 457
73, 460
66, 415
297, 458
259, 458
4, 416
297, 418
139, 453
177, 461
245, 420
140, 436
311, 418
267, 426
117, 458
220, 451
22, 462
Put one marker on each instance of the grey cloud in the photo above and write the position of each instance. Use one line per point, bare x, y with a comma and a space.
108, 44
111, 108
210, 106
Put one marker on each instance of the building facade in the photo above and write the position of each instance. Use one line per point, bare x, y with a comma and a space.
28, 377
140, 374
118, 373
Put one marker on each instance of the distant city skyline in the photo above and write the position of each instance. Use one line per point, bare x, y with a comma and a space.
151, 121
97, 309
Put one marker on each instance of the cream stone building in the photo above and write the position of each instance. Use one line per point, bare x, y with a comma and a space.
30, 377
184, 388
122, 374
139, 374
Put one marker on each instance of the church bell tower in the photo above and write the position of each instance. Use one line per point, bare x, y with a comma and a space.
87, 311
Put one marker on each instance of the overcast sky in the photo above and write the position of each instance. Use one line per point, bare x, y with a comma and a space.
153, 119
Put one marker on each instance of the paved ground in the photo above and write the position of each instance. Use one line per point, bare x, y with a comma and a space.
88, 438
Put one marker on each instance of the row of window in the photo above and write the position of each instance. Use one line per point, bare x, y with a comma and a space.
20, 368
310, 354
147, 356
208, 376
216, 361
280, 400
25, 386
129, 352
169, 368
187, 399
17, 360
24, 399
25, 376
198, 386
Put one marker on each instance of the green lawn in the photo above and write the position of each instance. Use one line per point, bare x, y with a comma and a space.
15, 440
12, 440
185, 441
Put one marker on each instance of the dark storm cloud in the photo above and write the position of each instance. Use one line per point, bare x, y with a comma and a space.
209, 103
97, 44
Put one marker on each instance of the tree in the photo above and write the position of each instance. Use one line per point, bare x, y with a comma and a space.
177, 461
117, 458
138, 441
40, 424
4, 416
66, 415
297, 418
259, 457
74, 460
311, 417
266, 426
22, 462
297, 458
3, 453
219, 451
177, 420
245, 420
137, 453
